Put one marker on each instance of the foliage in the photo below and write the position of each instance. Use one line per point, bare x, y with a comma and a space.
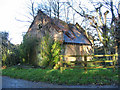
99, 50
10, 53
49, 52
11, 58
4, 44
28, 50
69, 76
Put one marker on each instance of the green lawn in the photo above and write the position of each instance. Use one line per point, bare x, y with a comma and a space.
68, 77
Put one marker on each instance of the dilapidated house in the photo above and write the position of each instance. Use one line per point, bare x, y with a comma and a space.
73, 37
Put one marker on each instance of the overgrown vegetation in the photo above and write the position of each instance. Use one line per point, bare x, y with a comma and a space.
28, 50
32, 51
11, 58
49, 52
48, 57
10, 52
16, 54
69, 76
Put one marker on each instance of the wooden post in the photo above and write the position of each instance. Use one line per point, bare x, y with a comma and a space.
114, 63
61, 61
85, 64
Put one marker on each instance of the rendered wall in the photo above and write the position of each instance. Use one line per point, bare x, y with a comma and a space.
72, 49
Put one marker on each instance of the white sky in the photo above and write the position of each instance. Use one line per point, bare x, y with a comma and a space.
11, 9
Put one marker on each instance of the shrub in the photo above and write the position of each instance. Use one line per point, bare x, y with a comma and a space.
10, 52
11, 57
49, 52
28, 51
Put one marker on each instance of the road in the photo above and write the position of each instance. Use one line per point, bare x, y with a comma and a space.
8, 82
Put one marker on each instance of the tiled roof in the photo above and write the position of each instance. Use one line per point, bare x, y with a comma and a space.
79, 38
71, 33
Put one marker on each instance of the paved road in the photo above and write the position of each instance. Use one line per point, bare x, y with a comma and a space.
8, 82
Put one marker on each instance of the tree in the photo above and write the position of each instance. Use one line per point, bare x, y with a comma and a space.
30, 14
10, 53
57, 9
98, 19
50, 7
28, 50
4, 42
117, 24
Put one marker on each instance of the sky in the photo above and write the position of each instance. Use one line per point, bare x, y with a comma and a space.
10, 11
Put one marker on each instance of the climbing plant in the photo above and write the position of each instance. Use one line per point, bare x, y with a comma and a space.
49, 52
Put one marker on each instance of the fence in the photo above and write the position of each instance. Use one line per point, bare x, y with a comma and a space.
85, 62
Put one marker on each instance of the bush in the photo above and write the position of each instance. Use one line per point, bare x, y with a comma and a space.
49, 52
28, 50
10, 52
11, 57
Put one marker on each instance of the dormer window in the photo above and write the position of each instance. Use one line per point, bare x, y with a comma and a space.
39, 26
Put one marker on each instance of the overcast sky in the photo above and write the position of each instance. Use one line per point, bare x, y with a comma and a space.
10, 11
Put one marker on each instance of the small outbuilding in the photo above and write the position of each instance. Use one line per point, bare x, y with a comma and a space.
73, 37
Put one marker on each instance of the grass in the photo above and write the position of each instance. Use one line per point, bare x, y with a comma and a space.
69, 77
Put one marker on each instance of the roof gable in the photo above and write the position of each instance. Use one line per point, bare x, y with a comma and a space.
71, 34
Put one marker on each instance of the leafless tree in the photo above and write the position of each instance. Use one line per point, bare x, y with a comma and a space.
98, 18
31, 12
50, 7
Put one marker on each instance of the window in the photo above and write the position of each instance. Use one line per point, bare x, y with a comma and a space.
39, 26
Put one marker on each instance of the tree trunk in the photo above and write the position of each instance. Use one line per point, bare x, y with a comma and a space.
106, 50
119, 52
